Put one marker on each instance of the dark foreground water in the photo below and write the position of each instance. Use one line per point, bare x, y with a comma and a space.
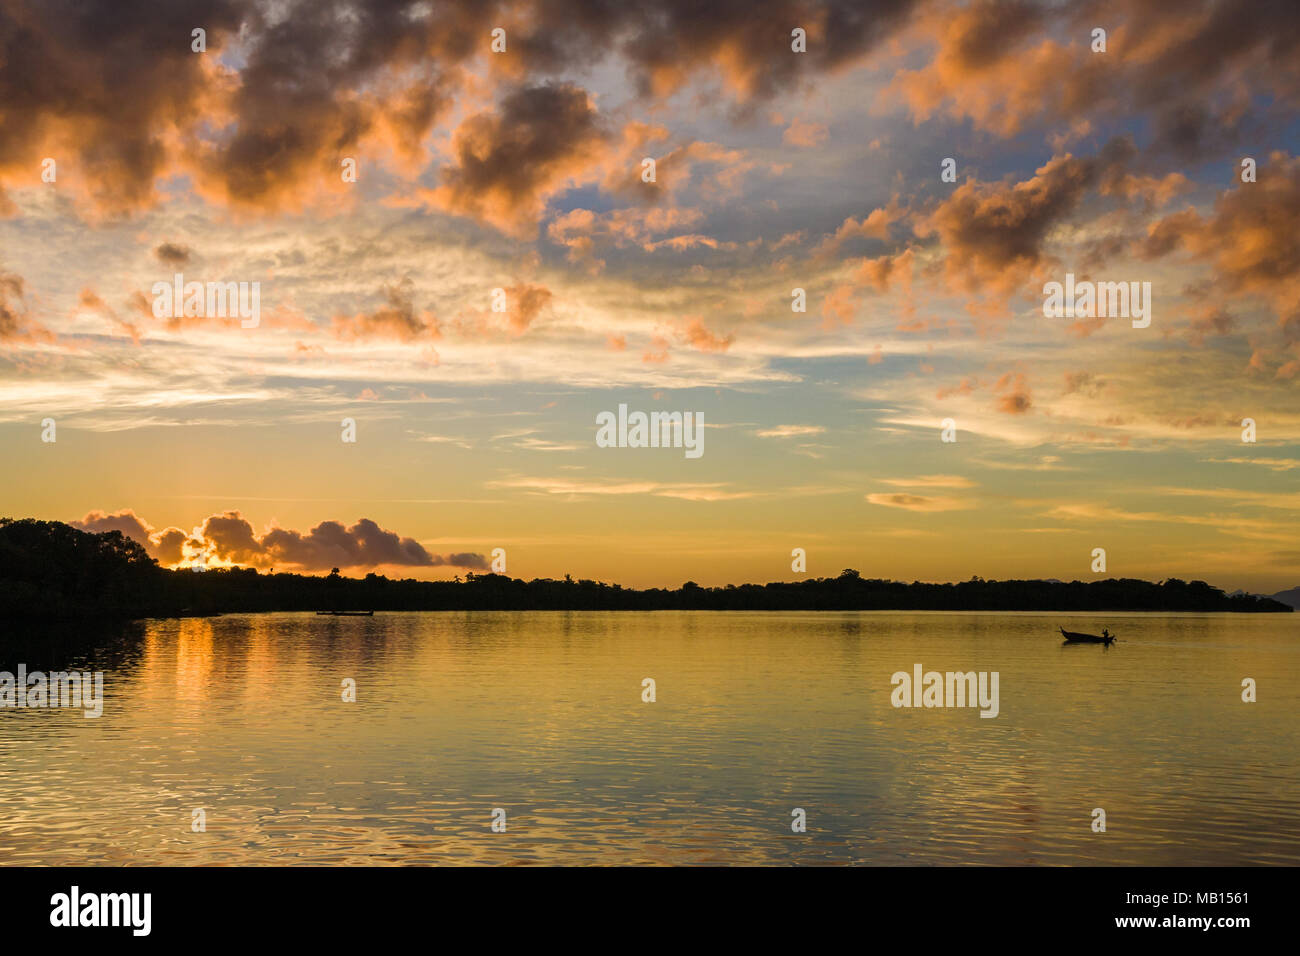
541, 715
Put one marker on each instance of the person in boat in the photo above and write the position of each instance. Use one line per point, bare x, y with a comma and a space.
1105, 633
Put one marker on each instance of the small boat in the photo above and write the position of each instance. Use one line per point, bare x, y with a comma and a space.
1072, 637
348, 613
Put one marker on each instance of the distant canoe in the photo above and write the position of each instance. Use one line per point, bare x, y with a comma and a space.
347, 613
1071, 637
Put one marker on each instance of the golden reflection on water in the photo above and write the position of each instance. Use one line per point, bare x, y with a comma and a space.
756, 714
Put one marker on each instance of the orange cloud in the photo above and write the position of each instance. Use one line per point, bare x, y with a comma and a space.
525, 304
805, 134
398, 319
89, 299
966, 386
992, 233
1009, 64
1251, 241
699, 337
874, 226
1015, 398
16, 325
582, 231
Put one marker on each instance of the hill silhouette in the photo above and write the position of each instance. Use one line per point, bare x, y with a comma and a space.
1290, 597
49, 570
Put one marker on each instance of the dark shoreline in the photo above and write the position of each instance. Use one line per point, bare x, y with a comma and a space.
244, 591
669, 610
51, 571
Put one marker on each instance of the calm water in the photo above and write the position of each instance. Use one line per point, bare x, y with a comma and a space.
541, 714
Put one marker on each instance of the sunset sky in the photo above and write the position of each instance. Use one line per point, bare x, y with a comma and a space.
774, 170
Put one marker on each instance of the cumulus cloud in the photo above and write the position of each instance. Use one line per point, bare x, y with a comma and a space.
1250, 236
993, 233
1251, 242
98, 522
874, 226
509, 162
230, 538
114, 134
286, 92
166, 545
1008, 65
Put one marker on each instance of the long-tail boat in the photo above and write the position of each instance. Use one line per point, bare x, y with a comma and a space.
1073, 637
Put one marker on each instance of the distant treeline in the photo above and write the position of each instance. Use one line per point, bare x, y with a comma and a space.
50, 570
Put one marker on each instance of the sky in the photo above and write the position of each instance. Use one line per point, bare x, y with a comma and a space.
505, 266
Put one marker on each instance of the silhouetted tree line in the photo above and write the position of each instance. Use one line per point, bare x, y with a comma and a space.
50, 570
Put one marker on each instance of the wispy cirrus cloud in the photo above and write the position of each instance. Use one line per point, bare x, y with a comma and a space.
572, 487
911, 502
1272, 464
790, 431
931, 481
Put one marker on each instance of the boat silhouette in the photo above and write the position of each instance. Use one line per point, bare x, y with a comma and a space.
1074, 637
